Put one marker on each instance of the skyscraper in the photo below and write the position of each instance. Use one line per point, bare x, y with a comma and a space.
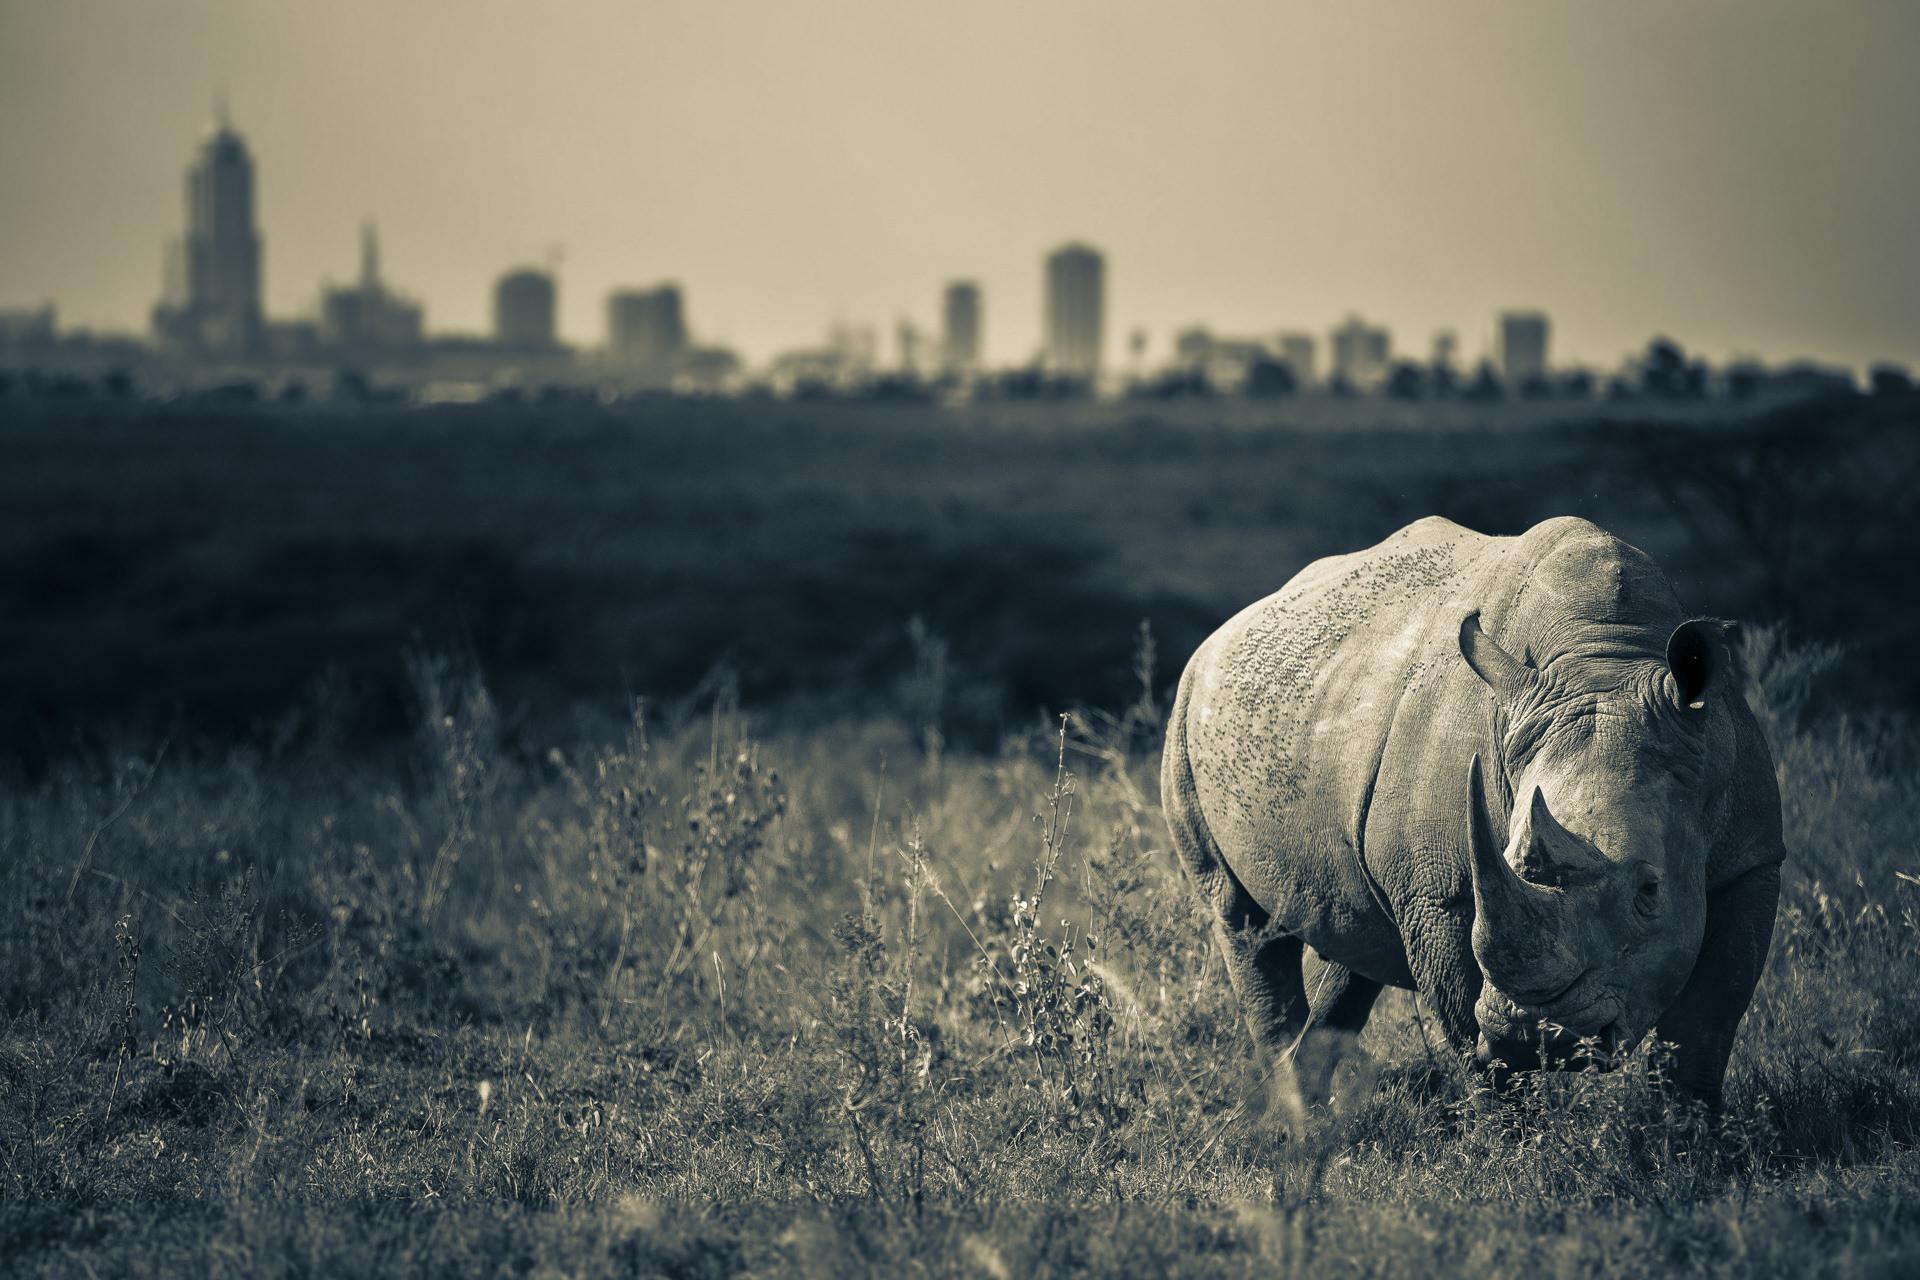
647, 329
960, 342
1296, 352
1076, 311
1361, 353
523, 310
1523, 347
213, 302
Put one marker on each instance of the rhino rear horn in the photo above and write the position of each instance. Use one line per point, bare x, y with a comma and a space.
1508, 677
1553, 855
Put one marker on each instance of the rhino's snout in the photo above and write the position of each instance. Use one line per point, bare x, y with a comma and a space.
1550, 1045
1522, 1036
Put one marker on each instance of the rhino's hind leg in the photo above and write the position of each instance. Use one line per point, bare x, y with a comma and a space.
1265, 973
1263, 964
1264, 970
1339, 1002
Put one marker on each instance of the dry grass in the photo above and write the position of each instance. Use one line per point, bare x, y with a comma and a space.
692, 1002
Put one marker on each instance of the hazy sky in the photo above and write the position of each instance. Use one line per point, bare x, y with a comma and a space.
1741, 175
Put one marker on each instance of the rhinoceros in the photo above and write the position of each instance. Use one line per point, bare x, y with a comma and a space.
1507, 773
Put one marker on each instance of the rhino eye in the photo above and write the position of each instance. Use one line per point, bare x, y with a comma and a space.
1647, 901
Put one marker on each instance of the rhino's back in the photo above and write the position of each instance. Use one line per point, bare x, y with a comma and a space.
1345, 691
1291, 699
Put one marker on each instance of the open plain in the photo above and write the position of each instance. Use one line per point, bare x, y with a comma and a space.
696, 839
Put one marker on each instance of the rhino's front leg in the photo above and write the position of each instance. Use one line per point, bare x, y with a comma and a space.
1439, 943
1702, 1020
1339, 1002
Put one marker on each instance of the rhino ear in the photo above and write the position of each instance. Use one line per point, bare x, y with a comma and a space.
1508, 677
1700, 660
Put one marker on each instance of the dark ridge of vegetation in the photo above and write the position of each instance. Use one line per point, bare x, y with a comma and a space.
692, 1000
196, 572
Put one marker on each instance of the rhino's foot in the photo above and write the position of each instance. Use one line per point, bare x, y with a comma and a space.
1320, 1077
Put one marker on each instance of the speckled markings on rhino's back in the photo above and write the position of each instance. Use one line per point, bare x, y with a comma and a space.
1268, 669
1292, 705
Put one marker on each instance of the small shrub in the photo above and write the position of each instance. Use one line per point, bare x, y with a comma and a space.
1044, 986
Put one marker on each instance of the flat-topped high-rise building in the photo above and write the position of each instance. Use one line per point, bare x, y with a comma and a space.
647, 330
1296, 352
960, 337
1361, 353
1076, 312
1523, 346
524, 305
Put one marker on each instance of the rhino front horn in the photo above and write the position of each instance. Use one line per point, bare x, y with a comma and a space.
1515, 924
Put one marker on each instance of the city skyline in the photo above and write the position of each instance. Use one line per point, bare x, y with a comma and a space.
210, 313
210, 308
1653, 170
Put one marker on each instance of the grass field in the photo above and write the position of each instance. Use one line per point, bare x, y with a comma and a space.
839, 956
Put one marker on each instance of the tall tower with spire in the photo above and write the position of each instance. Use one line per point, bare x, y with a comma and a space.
367, 321
216, 311
369, 257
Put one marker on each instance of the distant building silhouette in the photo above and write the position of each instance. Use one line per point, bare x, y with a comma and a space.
1523, 347
647, 330
366, 320
910, 344
1361, 353
27, 325
28, 336
960, 337
855, 346
708, 371
1076, 311
211, 304
524, 305
843, 363
1296, 352
1219, 361
1219, 364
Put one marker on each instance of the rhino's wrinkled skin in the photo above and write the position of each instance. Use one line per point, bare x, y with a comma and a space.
1508, 773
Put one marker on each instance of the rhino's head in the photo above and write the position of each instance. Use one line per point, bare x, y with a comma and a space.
1589, 908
